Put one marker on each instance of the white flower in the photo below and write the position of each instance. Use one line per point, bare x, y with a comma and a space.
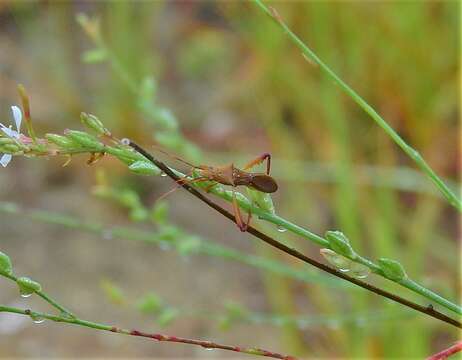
8, 131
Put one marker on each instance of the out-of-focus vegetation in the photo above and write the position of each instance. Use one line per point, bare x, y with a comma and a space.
237, 87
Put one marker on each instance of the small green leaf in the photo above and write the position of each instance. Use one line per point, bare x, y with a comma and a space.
392, 269
340, 244
5, 264
27, 286
94, 56
144, 168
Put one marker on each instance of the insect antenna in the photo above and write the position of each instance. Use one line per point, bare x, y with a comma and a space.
158, 148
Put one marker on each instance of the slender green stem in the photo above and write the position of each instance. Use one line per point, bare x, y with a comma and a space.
154, 336
204, 246
452, 198
45, 297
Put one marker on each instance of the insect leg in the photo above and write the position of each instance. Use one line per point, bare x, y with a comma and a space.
237, 214
259, 160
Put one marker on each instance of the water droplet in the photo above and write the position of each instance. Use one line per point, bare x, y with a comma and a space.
125, 141
360, 271
37, 319
163, 174
281, 229
208, 348
340, 262
25, 293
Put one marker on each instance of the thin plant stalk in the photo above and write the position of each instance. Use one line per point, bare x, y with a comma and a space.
154, 336
452, 198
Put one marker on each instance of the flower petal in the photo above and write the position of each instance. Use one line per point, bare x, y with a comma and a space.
9, 132
17, 115
5, 159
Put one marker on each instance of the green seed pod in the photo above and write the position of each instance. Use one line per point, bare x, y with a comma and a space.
340, 244
6, 140
10, 148
87, 141
28, 286
392, 269
61, 141
144, 168
92, 122
263, 200
5, 264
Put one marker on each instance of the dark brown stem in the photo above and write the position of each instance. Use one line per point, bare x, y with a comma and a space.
428, 310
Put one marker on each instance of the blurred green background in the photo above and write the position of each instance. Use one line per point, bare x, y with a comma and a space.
237, 88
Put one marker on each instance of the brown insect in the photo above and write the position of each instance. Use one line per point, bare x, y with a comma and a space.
232, 176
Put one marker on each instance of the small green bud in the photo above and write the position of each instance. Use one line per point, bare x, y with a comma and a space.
263, 200
144, 168
150, 304
339, 261
340, 244
92, 122
392, 269
113, 292
85, 140
28, 286
159, 212
167, 316
129, 198
169, 233
5, 264
189, 245
138, 214
61, 141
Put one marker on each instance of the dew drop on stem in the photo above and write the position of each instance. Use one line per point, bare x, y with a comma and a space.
25, 293
281, 229
163, 174
37, 319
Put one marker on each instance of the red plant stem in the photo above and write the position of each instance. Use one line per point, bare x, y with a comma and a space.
204, 344
447, 352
